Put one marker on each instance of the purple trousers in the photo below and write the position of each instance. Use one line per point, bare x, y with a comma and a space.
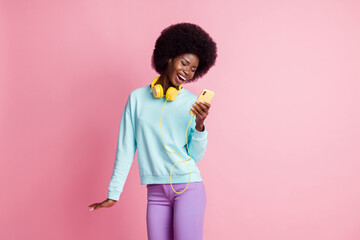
175, 216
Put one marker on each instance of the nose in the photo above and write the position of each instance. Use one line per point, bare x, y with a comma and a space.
186, 71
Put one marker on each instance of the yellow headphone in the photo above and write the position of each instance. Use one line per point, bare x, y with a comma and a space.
158, 91
171, 95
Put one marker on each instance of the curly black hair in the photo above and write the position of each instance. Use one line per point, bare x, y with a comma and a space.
183, 38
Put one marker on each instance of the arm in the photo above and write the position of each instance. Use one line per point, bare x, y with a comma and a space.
125, 152
197, 142
198, 136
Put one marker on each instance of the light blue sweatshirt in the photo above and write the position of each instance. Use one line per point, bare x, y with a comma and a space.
140, 130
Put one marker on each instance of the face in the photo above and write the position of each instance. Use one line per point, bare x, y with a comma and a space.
182, 68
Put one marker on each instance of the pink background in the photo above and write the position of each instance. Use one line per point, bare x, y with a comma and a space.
283, 156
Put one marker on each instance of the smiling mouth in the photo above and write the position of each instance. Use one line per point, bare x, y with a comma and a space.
180, 79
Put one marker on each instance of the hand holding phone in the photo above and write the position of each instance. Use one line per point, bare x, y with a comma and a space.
205, 96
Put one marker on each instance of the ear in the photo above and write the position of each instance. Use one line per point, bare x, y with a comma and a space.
169, 60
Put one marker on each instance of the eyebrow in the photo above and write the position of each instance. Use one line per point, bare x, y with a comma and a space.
189, 62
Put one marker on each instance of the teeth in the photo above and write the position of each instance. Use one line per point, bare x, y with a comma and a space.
182, 77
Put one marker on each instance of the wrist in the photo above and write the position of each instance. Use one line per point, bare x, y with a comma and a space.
200, 127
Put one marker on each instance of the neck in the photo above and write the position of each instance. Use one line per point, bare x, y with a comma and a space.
164, 81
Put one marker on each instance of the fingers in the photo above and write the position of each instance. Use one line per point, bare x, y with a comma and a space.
204, 106
199, 113
207, 104
94, 206
105, 203
201, 109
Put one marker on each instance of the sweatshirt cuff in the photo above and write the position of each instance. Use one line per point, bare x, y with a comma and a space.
114, 196
199, 135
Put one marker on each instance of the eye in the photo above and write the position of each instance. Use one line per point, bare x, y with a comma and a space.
183, 63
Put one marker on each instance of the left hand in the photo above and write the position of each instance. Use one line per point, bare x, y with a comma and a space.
201, 111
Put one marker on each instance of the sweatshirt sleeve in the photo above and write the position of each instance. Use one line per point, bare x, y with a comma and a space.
197, 142
125, 152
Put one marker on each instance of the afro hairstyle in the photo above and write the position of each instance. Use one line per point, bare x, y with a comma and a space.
183, 38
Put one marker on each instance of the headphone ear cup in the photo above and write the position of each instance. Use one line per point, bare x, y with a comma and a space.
172, 93
158, 91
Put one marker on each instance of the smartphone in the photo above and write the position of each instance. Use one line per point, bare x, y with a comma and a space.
205, 96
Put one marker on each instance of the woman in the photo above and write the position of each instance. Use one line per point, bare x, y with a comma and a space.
155, 122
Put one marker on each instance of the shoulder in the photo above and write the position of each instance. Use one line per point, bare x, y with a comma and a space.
136, 96
139, 93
